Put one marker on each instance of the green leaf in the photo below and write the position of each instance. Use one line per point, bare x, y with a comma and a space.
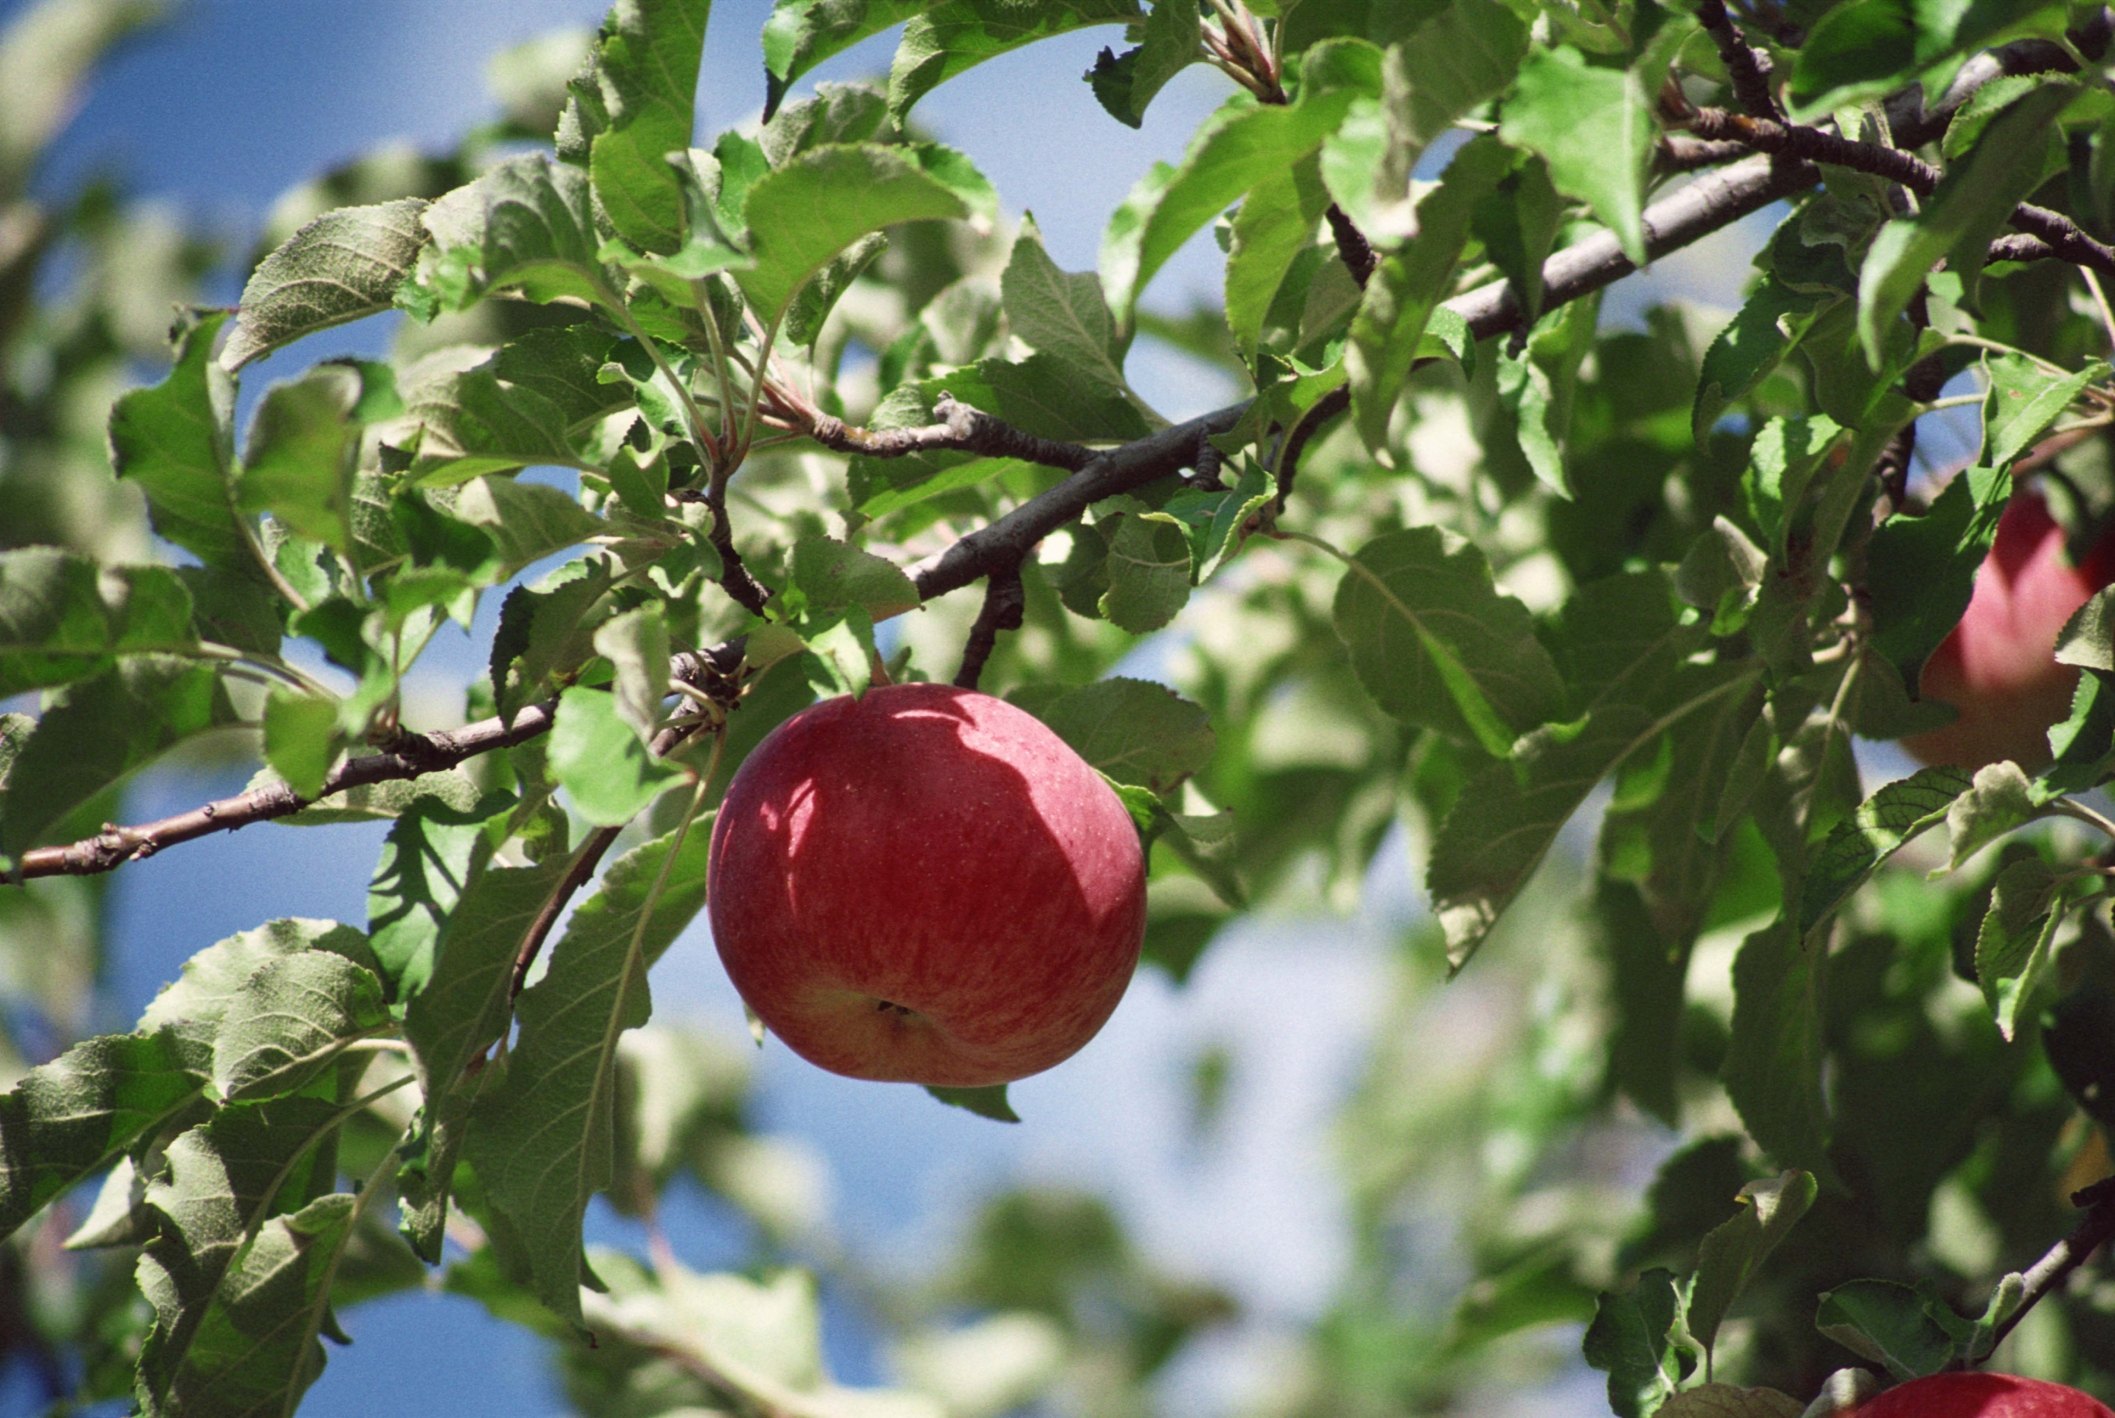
1629, 654
2024, 401
1149, 572
303, 449
1171, 41
301, 739
454, 1016
542, 1138
1390, 324
98, 732
636, 645
830, 577
192, 1009
1923, 568
1956, 223
631, 107
1666, 839
546, 632
63, 617
526, 521
1461, 56
2012, 945
1788, 456
949, 38
1594, 128
803, 33
1635, 1339
1133, 730
67, 1119
1734, 1251
814, 301
1747, 350
1856, 51
526, 225
1238, 147
432, 849
216, 1187
1882, 825
803, 214
289, 1020
988, 1102
344, 265
1438, 645
1275, 223
1062, 315
602, 761
1772, 1067
539, 399
1998, 801
1910, 1331
839, 113
256, 1350
176, 441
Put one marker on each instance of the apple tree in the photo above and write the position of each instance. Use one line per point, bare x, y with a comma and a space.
1730, 1052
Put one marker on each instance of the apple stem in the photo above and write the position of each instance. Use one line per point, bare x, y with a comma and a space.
1005, 604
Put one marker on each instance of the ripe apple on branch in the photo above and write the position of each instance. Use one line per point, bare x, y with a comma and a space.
1981, 1395
1998, 667
925, 884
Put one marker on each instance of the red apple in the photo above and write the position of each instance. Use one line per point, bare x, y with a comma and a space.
1998, 667
1978, 1395
926, 885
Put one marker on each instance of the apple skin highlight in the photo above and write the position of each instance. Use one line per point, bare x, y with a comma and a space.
1998, 666
926, 885
1980, 1395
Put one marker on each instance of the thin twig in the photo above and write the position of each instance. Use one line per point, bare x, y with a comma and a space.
1748, 69
576, 876
1796, 140
1352, 245
960, 428
2042, 1278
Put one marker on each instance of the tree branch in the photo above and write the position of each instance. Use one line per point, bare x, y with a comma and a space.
416, 754
961, 427
1748, 69
2094, 1230
1352, 246
1818, 145
1713, 201
1005, 603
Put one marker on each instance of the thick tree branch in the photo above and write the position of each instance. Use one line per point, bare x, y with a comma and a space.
1708, 204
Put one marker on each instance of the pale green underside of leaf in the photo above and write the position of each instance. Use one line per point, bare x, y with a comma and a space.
343, 265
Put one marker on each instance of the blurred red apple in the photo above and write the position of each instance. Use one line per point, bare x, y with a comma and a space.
1977, 1395
926, 885
1998, 667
